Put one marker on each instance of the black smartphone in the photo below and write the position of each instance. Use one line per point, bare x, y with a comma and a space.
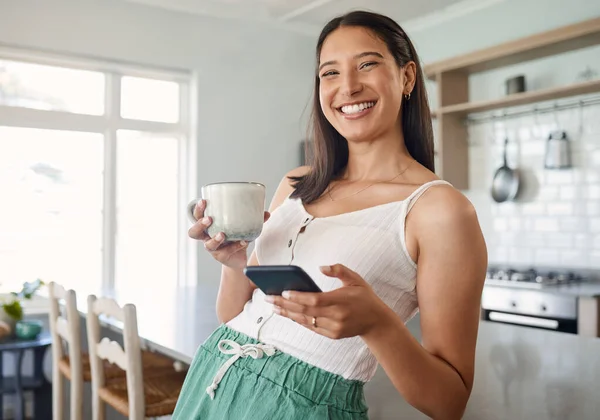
274, 279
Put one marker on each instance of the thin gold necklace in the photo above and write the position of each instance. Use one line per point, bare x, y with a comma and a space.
370, 185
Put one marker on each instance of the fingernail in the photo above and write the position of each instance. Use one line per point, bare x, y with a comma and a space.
219, 236
205, 221
325, 269
269, 299
285, 294
243, 243
277, 310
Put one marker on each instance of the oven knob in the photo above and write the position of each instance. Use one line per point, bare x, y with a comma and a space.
544, 308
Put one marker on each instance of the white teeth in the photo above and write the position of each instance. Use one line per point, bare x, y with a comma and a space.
356, 108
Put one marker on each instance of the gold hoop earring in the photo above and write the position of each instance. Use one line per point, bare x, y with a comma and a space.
407, 96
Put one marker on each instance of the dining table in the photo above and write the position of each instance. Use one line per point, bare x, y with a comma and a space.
17, 384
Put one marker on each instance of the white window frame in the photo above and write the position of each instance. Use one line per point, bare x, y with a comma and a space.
107, 125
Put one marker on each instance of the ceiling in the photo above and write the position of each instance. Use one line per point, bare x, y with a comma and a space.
310, 15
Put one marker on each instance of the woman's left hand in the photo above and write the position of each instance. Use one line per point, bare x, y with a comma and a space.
353, 309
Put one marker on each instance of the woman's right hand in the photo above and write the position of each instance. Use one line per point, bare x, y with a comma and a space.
231, 254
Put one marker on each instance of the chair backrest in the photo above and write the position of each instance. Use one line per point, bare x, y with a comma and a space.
128, 358
65, 327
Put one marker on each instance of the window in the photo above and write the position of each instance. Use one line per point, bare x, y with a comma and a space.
135, 103
51, 88
146, 211
94, 175
51, 217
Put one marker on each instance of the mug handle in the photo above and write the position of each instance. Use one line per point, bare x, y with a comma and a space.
190, 210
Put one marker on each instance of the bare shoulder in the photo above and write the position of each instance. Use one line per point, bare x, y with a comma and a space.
285, 187
443, 204
447, 230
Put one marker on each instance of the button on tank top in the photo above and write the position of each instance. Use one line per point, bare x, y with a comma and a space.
370, 241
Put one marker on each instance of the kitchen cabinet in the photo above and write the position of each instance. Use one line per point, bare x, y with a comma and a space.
588, 316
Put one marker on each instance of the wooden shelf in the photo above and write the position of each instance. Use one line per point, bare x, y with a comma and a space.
556, 41
524, 98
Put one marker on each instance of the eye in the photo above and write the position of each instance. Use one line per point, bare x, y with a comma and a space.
329, 73
368, 64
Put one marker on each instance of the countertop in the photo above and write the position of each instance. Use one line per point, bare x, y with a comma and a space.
591, 289
521, 373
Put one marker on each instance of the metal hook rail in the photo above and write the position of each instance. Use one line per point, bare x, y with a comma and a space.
581, 103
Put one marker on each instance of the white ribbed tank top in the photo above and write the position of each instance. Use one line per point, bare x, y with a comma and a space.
370, 241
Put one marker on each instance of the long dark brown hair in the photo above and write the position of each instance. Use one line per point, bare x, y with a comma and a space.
328, 149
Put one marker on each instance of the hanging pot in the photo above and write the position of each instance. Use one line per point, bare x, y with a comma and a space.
506, 182
558, 151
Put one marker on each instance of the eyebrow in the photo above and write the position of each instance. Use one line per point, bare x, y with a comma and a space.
361, 55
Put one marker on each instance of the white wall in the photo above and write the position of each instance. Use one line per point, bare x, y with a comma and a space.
557, 223
253, 82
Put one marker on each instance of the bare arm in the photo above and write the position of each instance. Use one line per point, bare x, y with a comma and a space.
235, 288
437, 376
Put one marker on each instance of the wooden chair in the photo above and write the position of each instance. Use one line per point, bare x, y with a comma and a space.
69, 364
147, 390
72, 364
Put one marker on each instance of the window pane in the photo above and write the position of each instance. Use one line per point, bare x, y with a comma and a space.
51, 212
149, 99
147, 217
51, 88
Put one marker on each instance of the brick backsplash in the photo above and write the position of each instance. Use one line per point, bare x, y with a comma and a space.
556, 219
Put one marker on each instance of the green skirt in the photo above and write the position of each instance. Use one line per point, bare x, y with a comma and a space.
253, 381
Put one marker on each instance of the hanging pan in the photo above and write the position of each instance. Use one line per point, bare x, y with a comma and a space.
506, 182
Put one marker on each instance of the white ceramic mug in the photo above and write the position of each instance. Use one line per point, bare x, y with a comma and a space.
236, 208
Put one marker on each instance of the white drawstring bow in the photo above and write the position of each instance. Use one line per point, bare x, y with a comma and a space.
256, 351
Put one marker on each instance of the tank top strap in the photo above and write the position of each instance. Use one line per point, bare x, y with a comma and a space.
406, 207
416, 194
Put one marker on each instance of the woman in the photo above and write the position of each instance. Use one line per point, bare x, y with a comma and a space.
378, 232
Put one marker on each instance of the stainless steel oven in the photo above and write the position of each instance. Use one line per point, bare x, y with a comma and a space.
530, 308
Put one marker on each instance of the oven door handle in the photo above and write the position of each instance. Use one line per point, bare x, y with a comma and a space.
550, 324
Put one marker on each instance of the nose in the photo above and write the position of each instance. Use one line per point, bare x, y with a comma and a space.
351, 84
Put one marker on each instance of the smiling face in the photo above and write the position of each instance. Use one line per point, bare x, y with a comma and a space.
361, 86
